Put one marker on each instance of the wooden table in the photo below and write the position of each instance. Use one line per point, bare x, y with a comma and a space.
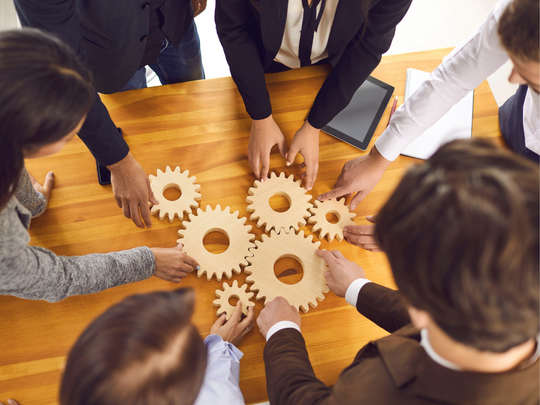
203, 127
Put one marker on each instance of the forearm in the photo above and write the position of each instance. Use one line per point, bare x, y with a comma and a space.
31, 199
36, 273
290, 378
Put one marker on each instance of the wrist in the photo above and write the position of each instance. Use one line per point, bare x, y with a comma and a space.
128, 159
263, 122
379, 159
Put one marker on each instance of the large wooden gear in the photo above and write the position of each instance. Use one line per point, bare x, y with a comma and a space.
259, 200
232, 291
326, 228
187, 200
301, 295
240, 240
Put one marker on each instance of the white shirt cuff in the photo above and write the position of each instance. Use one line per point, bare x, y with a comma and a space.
389, 144
281, 325
215, 343
351, 296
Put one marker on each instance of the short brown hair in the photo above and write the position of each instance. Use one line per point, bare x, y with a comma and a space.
143, 350
518, 29
461, 235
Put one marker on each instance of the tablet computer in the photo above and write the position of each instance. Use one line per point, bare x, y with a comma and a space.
356, 124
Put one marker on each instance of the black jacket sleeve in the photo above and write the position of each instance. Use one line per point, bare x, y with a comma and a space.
382, 306
361, 56
59, 17
239, 33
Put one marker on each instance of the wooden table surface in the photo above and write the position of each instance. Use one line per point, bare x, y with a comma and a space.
201, 126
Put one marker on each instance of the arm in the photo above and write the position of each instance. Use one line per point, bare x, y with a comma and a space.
359, 59
32, 199
464, 69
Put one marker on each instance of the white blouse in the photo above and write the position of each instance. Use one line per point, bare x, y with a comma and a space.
288, 52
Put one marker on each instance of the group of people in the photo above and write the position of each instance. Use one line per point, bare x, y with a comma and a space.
461, 231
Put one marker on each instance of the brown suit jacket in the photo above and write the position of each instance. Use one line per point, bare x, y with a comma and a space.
394, 370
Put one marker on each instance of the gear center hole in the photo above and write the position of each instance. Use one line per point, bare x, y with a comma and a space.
288, 270
216, 242
280, 202
233, 299
333, 217
172, 192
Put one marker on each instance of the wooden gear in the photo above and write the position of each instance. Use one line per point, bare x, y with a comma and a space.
321, 224
240, 240
301, 295
232, 291
259, 201
187, 200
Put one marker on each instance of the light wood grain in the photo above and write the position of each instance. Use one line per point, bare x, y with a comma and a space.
324, 228
201, 126
232, 291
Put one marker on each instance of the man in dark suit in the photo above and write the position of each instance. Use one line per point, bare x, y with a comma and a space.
116, 40
462, 236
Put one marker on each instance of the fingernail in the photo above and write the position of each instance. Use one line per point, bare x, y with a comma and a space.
319, 198
288, 163
180, 245
353, 207
309, 188
51, 172
198, 268
156, 202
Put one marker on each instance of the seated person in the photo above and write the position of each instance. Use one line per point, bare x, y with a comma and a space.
45, 93
145, 350
510, 32
461, 233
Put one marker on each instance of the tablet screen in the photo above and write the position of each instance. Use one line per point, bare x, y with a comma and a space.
356, 124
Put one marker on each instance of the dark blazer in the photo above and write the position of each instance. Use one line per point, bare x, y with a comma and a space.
389, 371
251, 39
109, 36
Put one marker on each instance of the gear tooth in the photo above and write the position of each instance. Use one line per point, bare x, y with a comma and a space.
228, 210
235, 284
281, 175
186, 173
249, 279
317, 244
159, 172
198, 188
152, 177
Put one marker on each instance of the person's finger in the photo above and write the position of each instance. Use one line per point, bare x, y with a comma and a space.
335, 193
291, 155
302, 165
311, 172
134, 211
337, 254
371, 246
125, 209
372, 218
327, 256
353, 229
265, 166
356, 200
49, 181
191, 261
237, 314
249, 320
12, 402
282, 147
151, 196
255, 166
176, 280
220, 321
145, 213
303, 175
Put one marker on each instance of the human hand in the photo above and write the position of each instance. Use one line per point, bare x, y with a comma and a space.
10, 402
234, 330
172, 264
306, 142
131, 189
198, 7
362, 235
276, 311
361, 175
342, 272
264, 135
47, 185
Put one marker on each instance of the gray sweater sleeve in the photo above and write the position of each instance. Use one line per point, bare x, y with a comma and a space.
32, 200
36, 273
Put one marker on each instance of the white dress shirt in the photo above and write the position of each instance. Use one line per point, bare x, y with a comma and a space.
464, 69
288, 52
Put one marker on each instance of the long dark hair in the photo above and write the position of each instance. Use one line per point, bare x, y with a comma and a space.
45, 91
143, 350
461, 234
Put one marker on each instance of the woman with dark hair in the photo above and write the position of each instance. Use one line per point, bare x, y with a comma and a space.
265, 36
45, 93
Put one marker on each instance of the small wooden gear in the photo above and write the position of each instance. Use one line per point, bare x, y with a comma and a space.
187, 200
323, 226
259, 200
301, 295
232, 291
240, 240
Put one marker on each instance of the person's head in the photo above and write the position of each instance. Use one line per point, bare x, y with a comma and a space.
45, 93
141, 351
518, 31
461, 234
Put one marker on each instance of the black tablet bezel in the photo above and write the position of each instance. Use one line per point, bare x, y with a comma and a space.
364, 144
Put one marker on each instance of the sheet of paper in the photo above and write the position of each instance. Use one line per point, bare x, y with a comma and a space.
455, 124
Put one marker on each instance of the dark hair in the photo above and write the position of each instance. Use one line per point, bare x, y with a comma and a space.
461, 235
45, 91
518, 29
141, 351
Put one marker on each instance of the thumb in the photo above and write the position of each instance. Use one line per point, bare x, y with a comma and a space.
372, 218
151, 196
291, 155
335, 193
221, 320
49, 181
356, 200
282, 148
